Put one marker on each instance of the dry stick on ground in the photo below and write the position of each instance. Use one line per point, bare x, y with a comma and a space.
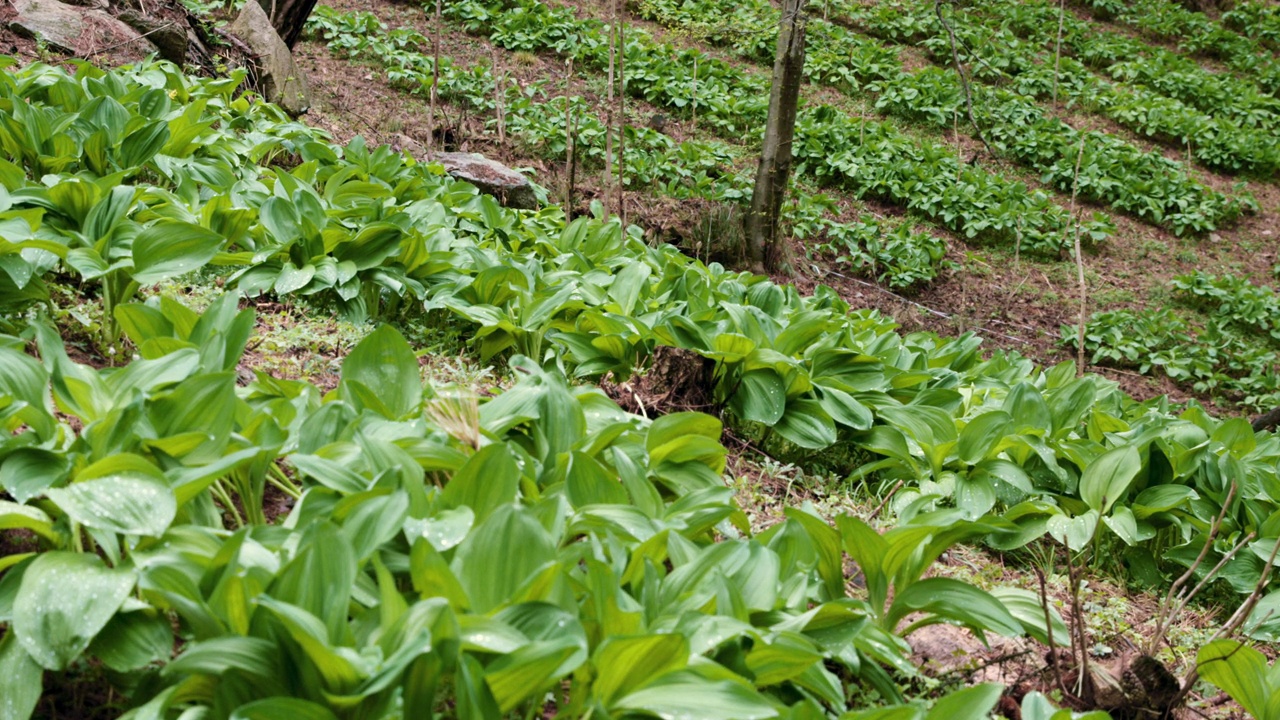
964, 79
608, 113
1084, 289
1057, 49
885, 502
435, 84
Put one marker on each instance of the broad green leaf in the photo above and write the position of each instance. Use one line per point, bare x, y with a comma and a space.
516, 677
1026, 406
676, 426
1107, 478
385, 365
1025, 605
688, 697
64, 602
14, 516
277, 708
844, 409
171, 247
444, 530
761, 397
624, 664
488, 480
320, 577
982, 434
1076, 532
974, 703
132, 640
628, 284
957, 601
127, 504
784, 659
1241, 672
807, 425
142, 144
500, 555
21, 680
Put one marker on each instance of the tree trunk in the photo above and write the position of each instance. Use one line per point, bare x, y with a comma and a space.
1268, 421
288, 17
763, 246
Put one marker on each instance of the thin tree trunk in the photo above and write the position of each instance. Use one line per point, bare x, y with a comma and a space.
763, 246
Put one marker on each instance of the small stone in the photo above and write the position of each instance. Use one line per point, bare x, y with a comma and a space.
1215, 237
512, 189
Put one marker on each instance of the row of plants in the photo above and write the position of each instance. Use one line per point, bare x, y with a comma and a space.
1256, 21
962, 197
797, 374
1113, 172
442, 556
1231, 354
998, 55
898, 256
1195, 32
1123, 57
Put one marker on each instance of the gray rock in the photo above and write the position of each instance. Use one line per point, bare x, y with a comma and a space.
72, 29
279, 77
169, 37
403, 142
492, 177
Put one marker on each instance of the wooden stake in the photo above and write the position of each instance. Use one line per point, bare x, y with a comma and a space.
1084, 288
498, 86
435, 84
622, 118
955, 134
1057, 49
571, 166
695, 93
608, 118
